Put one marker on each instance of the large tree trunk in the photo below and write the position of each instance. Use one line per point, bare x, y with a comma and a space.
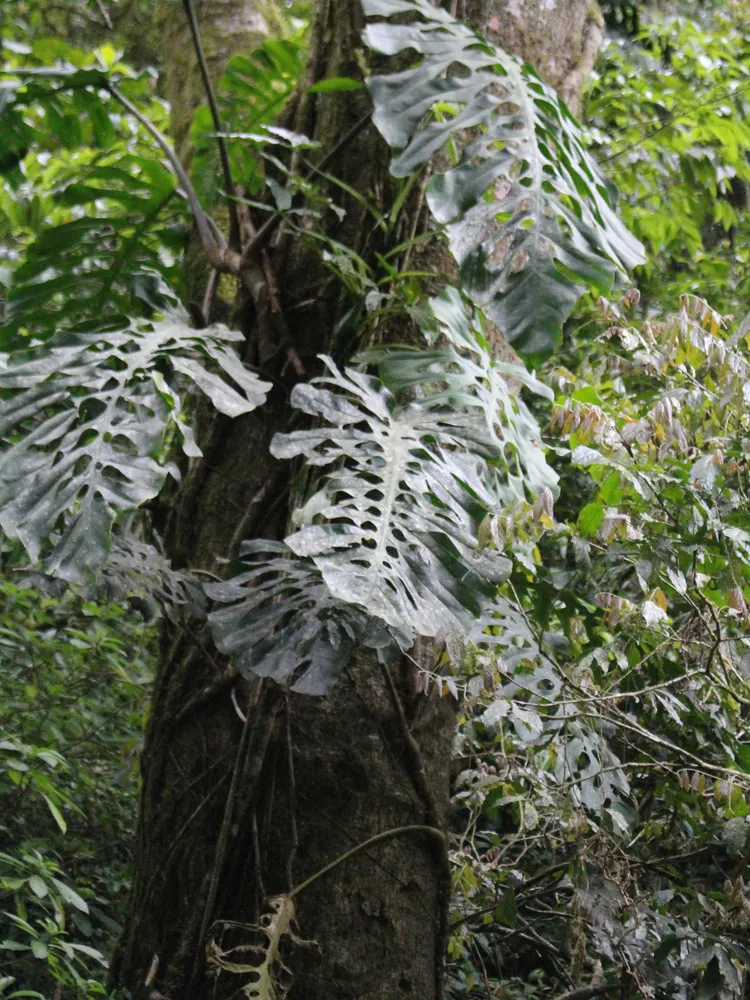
234, 812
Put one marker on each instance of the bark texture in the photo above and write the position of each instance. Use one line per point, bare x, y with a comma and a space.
227, 28
303, 780
560, 38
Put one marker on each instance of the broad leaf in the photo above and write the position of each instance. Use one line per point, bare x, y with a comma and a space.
527, 213
280, 620
138, 572
252, 93
95, 265
83, 420
396, 523
504, 632
464, 376
92, 224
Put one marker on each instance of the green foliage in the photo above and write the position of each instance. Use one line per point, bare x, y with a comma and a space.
597, 633
387, 545
73, 691
84, 422
252, 93
526, 211
88, 216
606, 734
668, 117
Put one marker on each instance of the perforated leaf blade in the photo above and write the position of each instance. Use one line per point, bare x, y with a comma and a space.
527, 213
464, 376
278, 619
397, 535
83, 422
140, 573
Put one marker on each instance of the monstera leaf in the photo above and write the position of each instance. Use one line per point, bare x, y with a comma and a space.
138, 572
395, 524
464, 376
83, 422
528, 215
504, 632
280, 620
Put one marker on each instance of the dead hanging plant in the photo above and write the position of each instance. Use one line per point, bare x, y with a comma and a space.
268, 977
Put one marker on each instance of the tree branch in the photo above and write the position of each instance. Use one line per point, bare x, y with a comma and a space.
234, 222
221, 257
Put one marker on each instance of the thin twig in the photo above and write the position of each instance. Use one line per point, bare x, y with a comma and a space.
234, 222
105, 14
266, 230
220, 256
209, 295
240, 714
371, 857
587, 992
246, 524
529, 882
673, 121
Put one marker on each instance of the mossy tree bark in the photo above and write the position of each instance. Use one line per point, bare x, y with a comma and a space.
310, 778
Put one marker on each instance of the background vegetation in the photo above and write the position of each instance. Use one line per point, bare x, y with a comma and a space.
602, 772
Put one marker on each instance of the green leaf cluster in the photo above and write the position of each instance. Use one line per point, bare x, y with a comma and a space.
667, 115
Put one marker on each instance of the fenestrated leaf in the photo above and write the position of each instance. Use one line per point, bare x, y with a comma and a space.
398, 535
588, 759
464, 376
83, 420
526, 210
280, 620
137, 571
